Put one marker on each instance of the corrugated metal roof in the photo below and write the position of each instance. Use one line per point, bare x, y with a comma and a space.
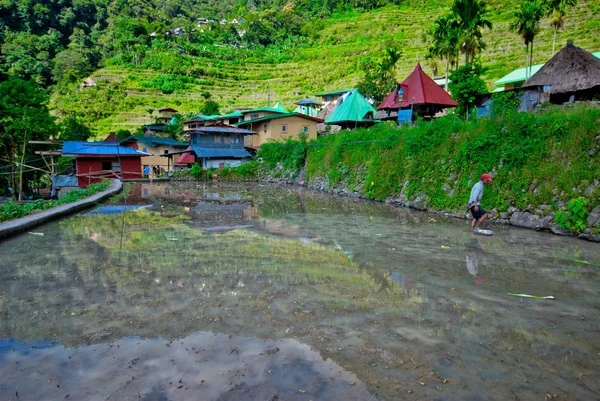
220, 152
354, 108
332, 93
308, 101
155, 141
186, 158
99, 149
156, 127
267, 118
222, 129
518, 75
279, 110
417, 88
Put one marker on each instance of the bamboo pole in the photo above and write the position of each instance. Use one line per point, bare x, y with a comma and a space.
21, 169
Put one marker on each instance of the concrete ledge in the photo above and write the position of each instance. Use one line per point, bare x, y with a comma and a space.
24, 223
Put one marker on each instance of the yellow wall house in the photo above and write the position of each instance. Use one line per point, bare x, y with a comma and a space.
156, 146
274, 125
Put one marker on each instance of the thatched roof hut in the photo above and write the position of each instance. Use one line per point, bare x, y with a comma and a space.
572, 70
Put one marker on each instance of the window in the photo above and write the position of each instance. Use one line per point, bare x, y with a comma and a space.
228, 139
253, 116
305, 129
217, 139
166, 151
115, 166
284, 128
106, 166
144, 150
265, 128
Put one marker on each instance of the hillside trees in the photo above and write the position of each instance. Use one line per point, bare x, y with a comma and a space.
556, 10
379, 74
526, 24
24, 117
465, 85
445, 42
470, 18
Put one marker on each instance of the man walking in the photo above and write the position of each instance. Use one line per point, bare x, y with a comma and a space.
478, 213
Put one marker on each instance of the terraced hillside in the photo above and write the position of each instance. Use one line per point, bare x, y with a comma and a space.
328, 61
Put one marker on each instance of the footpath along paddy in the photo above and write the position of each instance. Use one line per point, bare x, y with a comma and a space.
258, 292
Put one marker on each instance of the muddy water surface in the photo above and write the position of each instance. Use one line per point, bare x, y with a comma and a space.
222, 292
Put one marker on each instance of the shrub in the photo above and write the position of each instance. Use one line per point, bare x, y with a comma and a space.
575, 219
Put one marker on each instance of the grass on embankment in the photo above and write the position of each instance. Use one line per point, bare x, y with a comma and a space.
329, 60
13, 210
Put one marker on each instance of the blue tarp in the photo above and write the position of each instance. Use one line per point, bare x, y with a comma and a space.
404, 116
485, 109
219, 152
99, 149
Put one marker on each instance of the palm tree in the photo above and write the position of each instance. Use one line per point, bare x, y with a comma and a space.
556, 10
470, 17
445, 41
526, 23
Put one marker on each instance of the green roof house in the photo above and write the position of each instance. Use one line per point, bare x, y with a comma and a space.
352, 111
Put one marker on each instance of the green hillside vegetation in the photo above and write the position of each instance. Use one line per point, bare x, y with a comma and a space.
328, 57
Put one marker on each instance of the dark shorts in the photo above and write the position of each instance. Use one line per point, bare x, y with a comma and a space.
478, 214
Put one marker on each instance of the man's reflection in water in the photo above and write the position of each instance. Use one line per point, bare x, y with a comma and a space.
402, 280
474, 255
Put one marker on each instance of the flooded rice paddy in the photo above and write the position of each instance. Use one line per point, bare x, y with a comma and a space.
256, 292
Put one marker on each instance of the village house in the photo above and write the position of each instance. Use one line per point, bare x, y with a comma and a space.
214, 146
276, 124
308, 106
571, 74
156, 147
417, 94
204, 121
95, 161
352, 111
154, 129
165, 115
332, 96
517, 78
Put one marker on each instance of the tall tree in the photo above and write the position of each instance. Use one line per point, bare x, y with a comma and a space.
23, 117
380, 74
466, 84
470, 18
445, 41
525, 23
556, 10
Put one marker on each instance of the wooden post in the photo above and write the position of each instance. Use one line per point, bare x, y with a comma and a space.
21, 168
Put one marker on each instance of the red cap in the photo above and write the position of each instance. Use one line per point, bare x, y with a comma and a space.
486, 177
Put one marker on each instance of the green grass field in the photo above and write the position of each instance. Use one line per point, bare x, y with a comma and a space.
328, 61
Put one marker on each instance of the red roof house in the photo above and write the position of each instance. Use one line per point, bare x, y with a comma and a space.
417, 92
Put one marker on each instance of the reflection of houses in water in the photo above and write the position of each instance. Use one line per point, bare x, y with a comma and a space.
215, 212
